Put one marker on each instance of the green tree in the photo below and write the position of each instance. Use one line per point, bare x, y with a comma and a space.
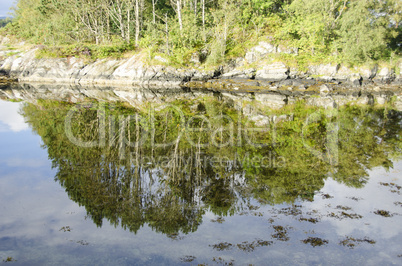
4, 22
363, 31
311, 25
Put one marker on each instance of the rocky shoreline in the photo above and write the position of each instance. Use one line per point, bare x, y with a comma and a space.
258, 64
327, 85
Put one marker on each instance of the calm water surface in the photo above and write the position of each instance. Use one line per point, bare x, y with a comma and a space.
223, 202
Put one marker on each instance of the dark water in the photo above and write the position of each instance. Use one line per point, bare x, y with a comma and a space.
194, 181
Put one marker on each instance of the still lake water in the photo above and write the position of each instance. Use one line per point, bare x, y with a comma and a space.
223, 201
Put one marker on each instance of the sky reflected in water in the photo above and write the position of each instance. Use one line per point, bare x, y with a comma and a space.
41, 225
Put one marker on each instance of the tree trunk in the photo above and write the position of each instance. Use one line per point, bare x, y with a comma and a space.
167, 34
128, 25
178, 3
203, 19
121, 22
137, 22
153, 11
142, 8
108, 27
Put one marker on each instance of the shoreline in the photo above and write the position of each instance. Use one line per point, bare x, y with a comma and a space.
327, 85
326, 96
258, 68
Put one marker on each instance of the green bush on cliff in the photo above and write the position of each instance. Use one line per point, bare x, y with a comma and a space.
88, 51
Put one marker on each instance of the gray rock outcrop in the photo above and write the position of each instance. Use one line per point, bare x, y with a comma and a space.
276, 71
385, 75
259, 51
26, 68
325, 72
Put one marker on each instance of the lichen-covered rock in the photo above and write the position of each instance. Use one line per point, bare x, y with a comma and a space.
323, 71
385, 75
259, 51
202, 75
243, 74
276, 72
99, 72
366, 73
264, 48
343, 74
356, 79
131, 69
27, 68
294, 73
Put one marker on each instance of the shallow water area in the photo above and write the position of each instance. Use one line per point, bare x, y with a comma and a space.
187, 181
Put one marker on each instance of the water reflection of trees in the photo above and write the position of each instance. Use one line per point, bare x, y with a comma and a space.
170, 188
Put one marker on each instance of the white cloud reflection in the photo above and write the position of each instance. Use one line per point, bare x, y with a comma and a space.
372, 197
10, 119
24, 162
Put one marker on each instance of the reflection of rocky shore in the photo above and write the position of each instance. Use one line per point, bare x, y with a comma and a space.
5, 80
322, 95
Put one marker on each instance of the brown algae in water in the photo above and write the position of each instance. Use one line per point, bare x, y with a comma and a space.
248, 247
383, 213
65, 229
187, 259
9, 259
222, 246
351, 242
310, 220
281, 233
315, 241
218, 220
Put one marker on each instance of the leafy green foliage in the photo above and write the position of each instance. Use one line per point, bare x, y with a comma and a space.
89, 51
363, 32
4, 22
355, 31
